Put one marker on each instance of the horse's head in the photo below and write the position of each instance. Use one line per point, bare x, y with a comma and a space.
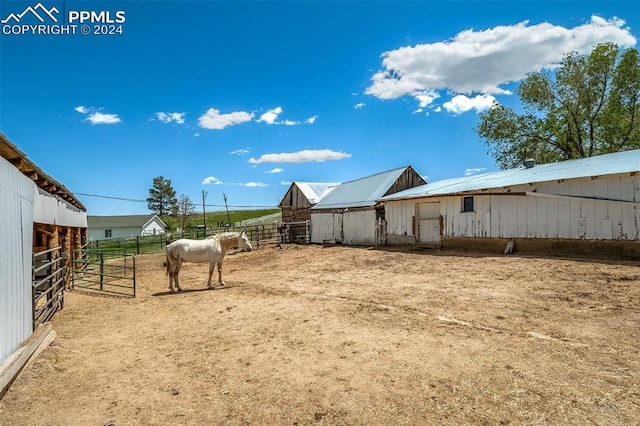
243, 242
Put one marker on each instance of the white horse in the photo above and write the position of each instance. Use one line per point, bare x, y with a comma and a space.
210, 250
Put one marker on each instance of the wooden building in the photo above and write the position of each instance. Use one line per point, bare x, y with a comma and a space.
39, 215
300, 197
349, 214
589, 205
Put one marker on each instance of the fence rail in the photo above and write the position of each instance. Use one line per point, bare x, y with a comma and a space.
295, 232
106, 271
48, 278
261, 236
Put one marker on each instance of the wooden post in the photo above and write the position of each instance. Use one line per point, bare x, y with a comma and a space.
101, 257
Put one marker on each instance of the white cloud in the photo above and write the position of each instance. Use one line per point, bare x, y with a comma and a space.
276, 170
285, 182
270, 116
426, 98
473, 171
240, 152
304, 156
212, 119
100, 118
211, 180
254, 184
168, 117
482, 61
97, 117
417, 111
311, 120
359, 105
196, 135
460, 103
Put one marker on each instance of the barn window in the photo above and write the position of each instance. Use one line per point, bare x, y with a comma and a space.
107, 233
467, 204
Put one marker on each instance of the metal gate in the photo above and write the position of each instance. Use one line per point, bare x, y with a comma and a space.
112, 272
48, 274
294, 232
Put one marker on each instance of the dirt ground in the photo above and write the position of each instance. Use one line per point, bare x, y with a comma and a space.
351, 336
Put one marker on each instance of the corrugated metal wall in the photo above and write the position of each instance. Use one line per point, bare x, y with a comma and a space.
53, 210
16, 231
520, 216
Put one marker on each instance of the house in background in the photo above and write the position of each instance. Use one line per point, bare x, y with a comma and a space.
103, 227
300, 197
589, 205
349, 215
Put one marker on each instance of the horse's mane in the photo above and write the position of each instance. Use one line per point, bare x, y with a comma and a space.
224, 235
224, 238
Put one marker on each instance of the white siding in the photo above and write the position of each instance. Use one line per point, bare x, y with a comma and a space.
53, 210
321, 227
16, 229
400, 217
154, 227
521, 216
98, 233
359, 227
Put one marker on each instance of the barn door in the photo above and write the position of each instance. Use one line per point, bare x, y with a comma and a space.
338, 233
428, 216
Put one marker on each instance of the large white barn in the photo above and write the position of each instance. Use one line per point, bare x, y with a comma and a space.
39, 215
585, 205
349, 215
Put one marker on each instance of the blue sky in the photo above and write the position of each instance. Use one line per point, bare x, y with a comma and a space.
242, 98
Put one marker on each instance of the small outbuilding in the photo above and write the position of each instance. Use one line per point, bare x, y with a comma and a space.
349, 215
103, 227
588, 205
300, 197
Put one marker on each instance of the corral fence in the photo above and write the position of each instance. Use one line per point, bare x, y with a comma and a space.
110, 271
48, 279
261, 236
295, 232
130, 245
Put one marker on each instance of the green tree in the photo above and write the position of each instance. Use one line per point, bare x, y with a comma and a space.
162, 197
185, 208
592, 107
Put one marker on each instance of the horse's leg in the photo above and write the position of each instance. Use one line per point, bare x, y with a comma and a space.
178, 266
220, 273
212, 266
170, 268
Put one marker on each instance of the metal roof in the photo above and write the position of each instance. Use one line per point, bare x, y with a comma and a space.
124, 221
608, 164
314, 191
363, 192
